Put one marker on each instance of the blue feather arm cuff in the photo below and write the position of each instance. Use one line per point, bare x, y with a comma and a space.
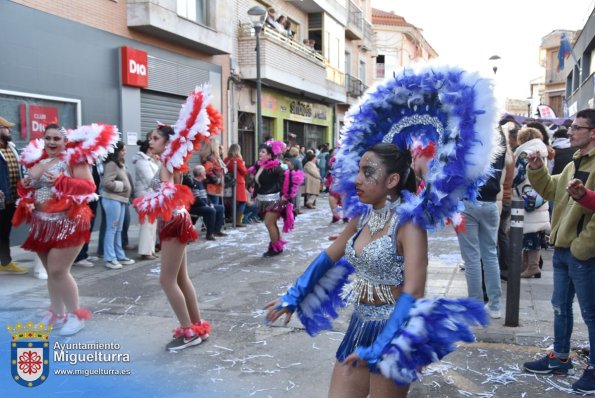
433, 328
316, 293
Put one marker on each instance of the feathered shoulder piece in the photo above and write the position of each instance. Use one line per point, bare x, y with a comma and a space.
87, 144
33, 153
443, 113
292, 180
161, 203
198, 120
90, 143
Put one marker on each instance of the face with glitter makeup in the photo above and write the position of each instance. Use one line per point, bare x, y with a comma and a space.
370, 182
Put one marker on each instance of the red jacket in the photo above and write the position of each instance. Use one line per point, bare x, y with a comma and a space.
588, 200
240, 180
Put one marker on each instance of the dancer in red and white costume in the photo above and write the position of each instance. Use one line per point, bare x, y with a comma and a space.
53, 199
169, 201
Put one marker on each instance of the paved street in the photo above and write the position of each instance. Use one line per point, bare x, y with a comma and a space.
244, 357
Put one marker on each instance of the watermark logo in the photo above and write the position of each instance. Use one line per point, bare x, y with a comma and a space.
30, 353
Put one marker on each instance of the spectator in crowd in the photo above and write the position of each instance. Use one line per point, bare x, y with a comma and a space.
302, 154
478, 243
212, 214
215, 169
564, 152
281, 24
573, 228
287, 25
234, 160
114, 198
83, 259
271, 20
10, 174
551, 153
322, 161
125, 242
312, 175
145, 167
251, 209
294, 156
536, 222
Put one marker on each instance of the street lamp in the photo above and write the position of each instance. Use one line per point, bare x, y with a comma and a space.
495, 61
529, 100
257, 16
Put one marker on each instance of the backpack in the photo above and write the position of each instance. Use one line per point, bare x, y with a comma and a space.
532, 200
229, 184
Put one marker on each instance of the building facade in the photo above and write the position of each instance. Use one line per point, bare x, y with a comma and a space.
398, 44
580, 69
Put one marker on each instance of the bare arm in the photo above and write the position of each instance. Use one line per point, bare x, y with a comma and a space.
413, 243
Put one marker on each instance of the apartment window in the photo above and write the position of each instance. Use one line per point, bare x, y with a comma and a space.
193, 10
348, 62
362, 71
380, 67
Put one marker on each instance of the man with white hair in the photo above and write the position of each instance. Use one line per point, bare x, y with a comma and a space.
212, 215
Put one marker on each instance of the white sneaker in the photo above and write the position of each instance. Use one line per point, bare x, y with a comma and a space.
49, 318
497, 314
92, 258
114, 264
84, 263
40, 274
126, 261
72, 325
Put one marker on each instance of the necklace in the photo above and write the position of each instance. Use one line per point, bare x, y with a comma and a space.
378, 219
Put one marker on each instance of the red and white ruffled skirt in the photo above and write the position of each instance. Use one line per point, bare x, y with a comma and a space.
179, 226
57, 230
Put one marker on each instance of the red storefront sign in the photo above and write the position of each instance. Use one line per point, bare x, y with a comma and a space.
135, 67
39, 117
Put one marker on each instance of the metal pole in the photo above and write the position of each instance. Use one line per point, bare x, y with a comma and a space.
257, 30
234, 197
515, 253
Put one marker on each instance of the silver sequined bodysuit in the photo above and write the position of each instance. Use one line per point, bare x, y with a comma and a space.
378, 267
43, 187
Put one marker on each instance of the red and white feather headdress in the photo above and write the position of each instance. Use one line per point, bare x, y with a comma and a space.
198, 120
87, 144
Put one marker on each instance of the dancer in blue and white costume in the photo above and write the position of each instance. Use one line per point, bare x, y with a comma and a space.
445, 116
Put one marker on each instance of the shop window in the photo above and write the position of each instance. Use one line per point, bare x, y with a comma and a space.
32, 113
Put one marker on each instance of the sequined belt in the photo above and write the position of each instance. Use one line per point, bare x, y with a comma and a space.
49, 216
369, 312
271, 197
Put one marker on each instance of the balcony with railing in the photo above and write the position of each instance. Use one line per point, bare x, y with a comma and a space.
208, 33
289, 65
368, 40
354, 29
336, 8
354, 86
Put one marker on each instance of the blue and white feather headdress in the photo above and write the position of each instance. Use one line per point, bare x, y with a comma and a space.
444, 106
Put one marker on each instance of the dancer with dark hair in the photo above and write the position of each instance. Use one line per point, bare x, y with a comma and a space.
275, 188
58, 187
378, 263
169, 201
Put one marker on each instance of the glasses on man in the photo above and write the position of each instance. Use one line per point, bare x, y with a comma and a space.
576, 127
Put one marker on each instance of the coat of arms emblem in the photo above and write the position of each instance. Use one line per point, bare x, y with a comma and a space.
30, 353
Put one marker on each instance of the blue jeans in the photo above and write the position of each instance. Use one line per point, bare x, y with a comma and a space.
250, 212
572, 276
114, 221
478, 244
216, 200
213, 217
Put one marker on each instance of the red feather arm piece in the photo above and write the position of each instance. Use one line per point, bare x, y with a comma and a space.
72, 195
161, 203
24, 205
